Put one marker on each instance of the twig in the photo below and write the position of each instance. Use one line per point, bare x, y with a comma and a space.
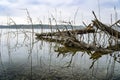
94, 15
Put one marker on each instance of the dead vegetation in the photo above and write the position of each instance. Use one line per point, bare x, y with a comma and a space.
72, 38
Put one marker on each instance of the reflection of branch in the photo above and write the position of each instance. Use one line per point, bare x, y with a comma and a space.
84, 47
93, 55
116, 57
92, 64
70, 62
64, 50
97, 54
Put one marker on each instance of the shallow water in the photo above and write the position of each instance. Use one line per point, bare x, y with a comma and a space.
23, 57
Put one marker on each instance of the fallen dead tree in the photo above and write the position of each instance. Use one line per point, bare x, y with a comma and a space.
73, 43
68, 42
68, 39
67, 33
65, 38
79, 45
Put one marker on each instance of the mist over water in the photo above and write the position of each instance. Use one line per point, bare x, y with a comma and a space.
23, 57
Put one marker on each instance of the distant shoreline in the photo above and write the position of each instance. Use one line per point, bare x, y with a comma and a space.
40, 27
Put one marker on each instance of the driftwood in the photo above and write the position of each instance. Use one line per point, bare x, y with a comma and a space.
80, 45
106, 28
69, 42
72, 44
67, 33
68, 39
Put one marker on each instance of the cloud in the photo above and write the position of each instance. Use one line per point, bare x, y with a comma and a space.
61, 9
12, 1
111, 4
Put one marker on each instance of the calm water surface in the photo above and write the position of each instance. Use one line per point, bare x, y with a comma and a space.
23, 57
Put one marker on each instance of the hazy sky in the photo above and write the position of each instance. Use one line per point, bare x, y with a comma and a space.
62, 10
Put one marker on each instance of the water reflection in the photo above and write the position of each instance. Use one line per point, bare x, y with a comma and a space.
22, 57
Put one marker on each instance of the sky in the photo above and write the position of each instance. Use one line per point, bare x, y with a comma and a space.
49, 11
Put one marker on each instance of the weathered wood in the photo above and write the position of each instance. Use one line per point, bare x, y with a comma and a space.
67, 38
50, 39
68, 42
67, 33
73, 43
106, 28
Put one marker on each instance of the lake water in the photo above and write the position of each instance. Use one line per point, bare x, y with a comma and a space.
23, 57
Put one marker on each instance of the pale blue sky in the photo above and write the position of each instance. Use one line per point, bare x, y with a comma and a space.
62, 10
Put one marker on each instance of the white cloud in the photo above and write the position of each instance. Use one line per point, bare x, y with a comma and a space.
44, 8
